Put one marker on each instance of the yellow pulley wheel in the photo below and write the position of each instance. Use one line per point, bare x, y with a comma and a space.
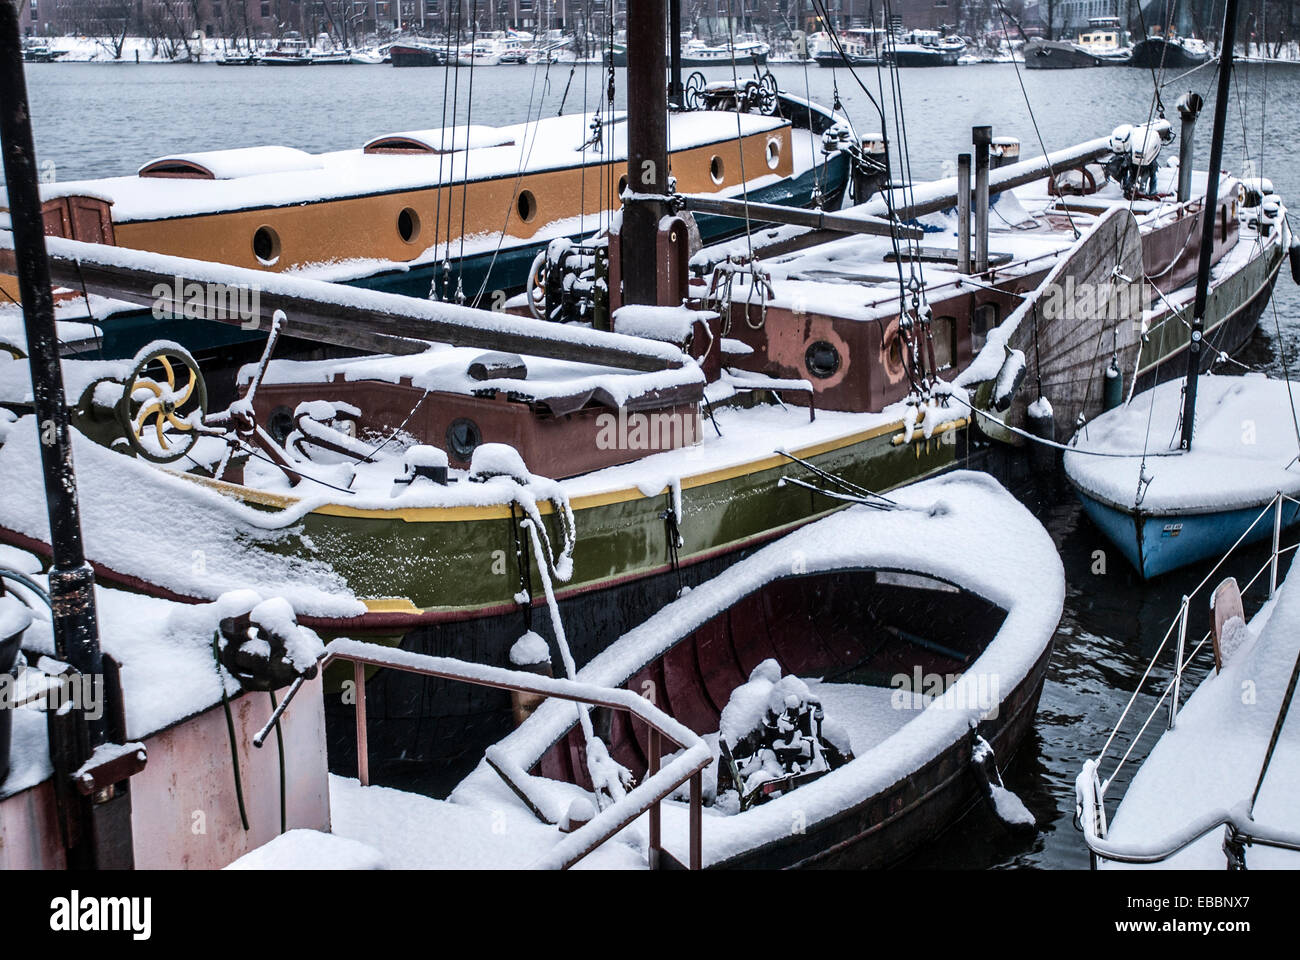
163, 401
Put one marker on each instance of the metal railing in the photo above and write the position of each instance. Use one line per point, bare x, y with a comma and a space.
659, 783
1091, 787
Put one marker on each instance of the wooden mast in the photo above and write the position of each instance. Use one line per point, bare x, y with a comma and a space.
647, 149
1209, 217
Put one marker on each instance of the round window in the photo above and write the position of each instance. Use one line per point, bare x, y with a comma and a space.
266, 246
408, 225
716, 170
773, 154
463, 437
526, 205
822, 360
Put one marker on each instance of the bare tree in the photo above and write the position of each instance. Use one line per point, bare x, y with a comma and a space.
107, 22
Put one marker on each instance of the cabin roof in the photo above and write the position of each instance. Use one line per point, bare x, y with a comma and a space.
231, 164
258, 177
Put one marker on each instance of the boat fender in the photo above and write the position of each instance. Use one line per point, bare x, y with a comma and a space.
1113, 392
1040, 419
1009, 379
1295, 260
1008, 808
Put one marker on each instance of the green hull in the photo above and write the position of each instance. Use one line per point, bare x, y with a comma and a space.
419, 567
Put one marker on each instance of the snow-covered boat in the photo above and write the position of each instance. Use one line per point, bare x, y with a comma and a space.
417, 53
1166, 508
853, 47
744, 53
924, 48
888, 649
1057, 55
1168, 504
1217, 789
389, 214
291, 51
1169, 53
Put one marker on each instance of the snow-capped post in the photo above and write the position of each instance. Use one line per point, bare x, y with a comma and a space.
71, 580
983, 140
1209, 217
647, 149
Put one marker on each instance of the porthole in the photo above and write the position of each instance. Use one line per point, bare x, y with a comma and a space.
894, 351
773, 154
526, 206
716, 170
280, 424
822, 360
622, 184
463, 438
408, 225
266, 246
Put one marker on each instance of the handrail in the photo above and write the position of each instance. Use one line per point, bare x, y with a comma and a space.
1238, 819
1090, 787
646, 796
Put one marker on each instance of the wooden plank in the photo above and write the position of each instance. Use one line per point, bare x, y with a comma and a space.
800, 217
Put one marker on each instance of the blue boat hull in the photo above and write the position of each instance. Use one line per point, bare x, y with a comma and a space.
507, 271
1155, 545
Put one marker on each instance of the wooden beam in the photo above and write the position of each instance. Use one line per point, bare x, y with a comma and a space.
799, 217
332, 313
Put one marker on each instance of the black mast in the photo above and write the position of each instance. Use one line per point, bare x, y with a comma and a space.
76, 633
1209, 216
675, 90
647, 148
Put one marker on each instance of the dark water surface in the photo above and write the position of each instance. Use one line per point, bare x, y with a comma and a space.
103, 120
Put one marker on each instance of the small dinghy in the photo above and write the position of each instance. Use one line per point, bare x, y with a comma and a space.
851, 680
1168, 508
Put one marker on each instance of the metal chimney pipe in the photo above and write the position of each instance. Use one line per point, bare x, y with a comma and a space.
963, 213
983, 140
1189, 108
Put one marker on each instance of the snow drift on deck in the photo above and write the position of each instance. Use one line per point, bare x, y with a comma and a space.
1242, 448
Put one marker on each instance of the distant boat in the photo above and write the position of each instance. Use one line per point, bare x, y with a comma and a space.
697, 53
1057, 55
925, 48
1173, 53
38, 51
239, 60
854, 48
371, 57
291, 51
415, 53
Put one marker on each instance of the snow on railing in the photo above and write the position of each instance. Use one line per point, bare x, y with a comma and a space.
645, 797
1091, 786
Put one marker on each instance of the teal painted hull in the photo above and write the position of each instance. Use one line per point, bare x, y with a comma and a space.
1155, 545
